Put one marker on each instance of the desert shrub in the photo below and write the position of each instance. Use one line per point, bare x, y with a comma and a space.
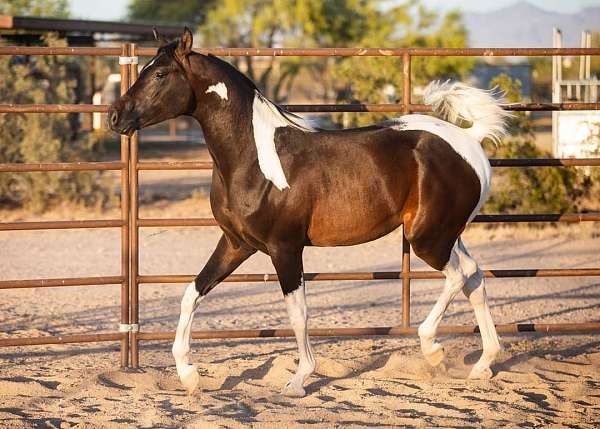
530, 189
520, 124
589, 177
40, 138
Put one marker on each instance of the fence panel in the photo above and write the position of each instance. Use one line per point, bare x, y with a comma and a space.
129, 224
122, 334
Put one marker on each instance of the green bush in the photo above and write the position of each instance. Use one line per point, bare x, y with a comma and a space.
42, 138
527, 189
530, 189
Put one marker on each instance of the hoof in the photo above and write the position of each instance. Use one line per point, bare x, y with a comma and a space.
435, 356
292, 390
190, 378
478, 373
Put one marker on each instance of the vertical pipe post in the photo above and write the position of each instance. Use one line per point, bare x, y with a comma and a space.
406, 101
582, 58
124, 69
588, 58
133, 228
588, 70
90, 117
555, 93
406, 93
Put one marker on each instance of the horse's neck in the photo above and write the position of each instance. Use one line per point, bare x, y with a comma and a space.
227, 129
226, 117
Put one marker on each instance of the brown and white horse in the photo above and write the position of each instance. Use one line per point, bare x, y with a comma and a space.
279, 185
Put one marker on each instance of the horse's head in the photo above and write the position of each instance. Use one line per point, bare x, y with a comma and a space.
162, 90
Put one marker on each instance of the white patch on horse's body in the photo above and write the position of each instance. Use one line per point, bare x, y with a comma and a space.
220, 89
462, 142
266, 118
181, 346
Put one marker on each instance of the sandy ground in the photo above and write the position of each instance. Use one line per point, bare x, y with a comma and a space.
539, 381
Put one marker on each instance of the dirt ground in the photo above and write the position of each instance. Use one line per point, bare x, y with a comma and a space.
539, 381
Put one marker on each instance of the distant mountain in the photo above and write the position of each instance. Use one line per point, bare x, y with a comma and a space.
526, 25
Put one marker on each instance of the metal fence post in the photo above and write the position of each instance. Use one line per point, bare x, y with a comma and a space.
406, 101
134, 229
124, 69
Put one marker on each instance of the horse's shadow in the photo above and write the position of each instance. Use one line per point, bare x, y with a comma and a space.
258, 373
318, 381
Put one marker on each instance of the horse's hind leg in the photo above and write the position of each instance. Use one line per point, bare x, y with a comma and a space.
474, 289
457, 270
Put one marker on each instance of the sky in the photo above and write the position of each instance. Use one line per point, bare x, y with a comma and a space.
116, 9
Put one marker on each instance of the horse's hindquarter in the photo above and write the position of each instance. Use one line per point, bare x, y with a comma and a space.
356, 183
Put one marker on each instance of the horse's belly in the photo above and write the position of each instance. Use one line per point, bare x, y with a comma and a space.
346, 228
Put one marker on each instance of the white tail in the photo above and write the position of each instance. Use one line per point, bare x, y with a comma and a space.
454, 100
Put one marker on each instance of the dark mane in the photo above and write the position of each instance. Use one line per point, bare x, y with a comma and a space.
169, 49
230, 69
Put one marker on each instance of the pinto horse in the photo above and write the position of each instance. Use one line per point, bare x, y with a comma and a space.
279, 185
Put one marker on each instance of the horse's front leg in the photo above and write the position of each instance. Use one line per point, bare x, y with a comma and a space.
228, 255
288, 264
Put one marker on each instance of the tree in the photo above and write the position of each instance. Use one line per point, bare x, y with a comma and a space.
528, 189
48, 8
170, 12
336, 23
37, 138
379, 79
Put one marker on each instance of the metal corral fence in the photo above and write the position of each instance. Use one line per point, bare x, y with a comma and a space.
129, 335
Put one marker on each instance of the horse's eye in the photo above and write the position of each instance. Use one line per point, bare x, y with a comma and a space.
160, 75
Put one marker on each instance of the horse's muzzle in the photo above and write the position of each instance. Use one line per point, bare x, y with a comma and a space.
121, 118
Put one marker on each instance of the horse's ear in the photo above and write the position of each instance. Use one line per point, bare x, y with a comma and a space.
159, 37
184, 47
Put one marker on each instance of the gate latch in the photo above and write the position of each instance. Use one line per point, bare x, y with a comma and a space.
129, 327
128, 60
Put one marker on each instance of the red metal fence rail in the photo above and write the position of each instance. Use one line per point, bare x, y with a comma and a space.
130, 223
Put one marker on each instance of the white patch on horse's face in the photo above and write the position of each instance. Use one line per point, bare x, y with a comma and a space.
149, 63
220, 89
152, 61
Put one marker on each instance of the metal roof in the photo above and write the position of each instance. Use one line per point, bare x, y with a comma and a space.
85, 26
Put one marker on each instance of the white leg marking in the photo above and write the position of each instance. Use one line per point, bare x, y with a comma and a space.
220, 89
457, 271
297, 312
474, 289
181, 346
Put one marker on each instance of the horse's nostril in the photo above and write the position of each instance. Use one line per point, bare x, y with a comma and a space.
114, 117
